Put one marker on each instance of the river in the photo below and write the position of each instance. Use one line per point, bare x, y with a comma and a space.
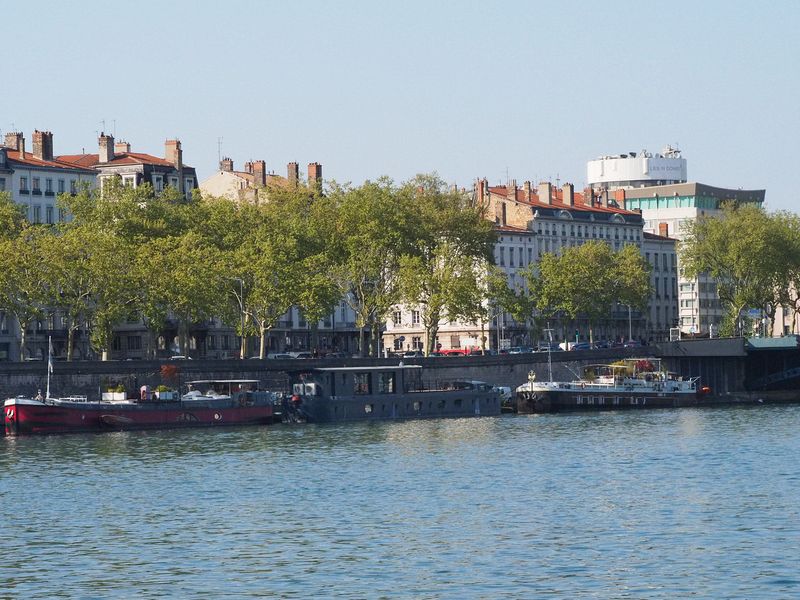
650, 504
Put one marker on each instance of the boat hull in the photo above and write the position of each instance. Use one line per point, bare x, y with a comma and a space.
413, 405
545, 401
30, 417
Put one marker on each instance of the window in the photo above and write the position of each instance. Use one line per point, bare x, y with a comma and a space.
416, 343
134, 342
655, 261
510, 257
173, 182
48, 186
37, 214
129, 180
36, 182
361, 383
61, 188
397, 317
415, 317
49, 214
158, 184
386, 384
73, 186
2, 184
62, 215
23, 184
502, 256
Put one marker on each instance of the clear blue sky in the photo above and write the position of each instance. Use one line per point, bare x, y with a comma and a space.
467, 89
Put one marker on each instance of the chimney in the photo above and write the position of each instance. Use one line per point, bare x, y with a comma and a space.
106, 144
663, 229
15, 140
122, 147
43, 145
315, 176
226, 164
292, 173
545, 192
173, 153
568, 194
248, 167
480, 195
526, 189
511, 190
259, 170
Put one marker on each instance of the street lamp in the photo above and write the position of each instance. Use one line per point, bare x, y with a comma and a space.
630, 327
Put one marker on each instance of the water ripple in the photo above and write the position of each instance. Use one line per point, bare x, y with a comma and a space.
658, 504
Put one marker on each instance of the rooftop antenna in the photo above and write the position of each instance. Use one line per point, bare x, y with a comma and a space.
114, 127
558, 180
219, 149
103, 123
507, 179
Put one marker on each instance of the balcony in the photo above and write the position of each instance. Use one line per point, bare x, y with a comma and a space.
25, 192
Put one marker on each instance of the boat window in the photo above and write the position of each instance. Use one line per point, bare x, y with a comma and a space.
386, 383
361, 383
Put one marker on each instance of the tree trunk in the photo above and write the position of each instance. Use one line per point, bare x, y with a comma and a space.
361, 341
70, 338
262, 342
22, 339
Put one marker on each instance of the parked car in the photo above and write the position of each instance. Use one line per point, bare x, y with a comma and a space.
633, 344
279, 356
302, 355
581, 346
413, 354
601, 345
180, 357
520, 350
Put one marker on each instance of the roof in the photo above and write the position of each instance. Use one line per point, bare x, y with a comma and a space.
121, 159
557, 201
30, 160
695, 189
658, 238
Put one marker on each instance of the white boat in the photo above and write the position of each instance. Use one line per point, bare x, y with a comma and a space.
630, 383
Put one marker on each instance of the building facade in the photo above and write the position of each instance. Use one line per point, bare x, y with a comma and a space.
667, 210
117, 160
246, 185
529, 223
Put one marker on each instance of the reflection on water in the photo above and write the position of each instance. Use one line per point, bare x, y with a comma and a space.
656, 504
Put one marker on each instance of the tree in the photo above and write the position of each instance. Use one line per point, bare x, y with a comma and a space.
443, 274
586, 280
744, 250
370, 232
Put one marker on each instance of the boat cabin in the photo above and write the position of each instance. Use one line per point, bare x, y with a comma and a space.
358, 381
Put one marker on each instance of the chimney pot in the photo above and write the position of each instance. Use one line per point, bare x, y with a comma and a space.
106, 148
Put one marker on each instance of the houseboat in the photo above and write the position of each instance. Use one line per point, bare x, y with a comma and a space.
630, 384
387, 392
209, 403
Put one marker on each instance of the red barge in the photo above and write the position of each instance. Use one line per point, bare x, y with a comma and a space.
211, 403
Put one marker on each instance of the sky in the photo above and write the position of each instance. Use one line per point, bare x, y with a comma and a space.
502, 90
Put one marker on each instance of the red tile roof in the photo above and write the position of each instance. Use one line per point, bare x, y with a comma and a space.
126, 158
654, 236
29, 159
557, 200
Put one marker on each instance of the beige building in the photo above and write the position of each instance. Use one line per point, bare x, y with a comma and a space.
244, 186
530, 222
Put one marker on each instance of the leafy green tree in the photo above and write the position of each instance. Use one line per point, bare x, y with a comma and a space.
586, 280
371, 229
443, 274
744, 250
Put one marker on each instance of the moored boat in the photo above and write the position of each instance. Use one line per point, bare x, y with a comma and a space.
385, 392
211, 403
631, 384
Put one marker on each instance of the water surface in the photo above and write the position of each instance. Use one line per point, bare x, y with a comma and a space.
652, 504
